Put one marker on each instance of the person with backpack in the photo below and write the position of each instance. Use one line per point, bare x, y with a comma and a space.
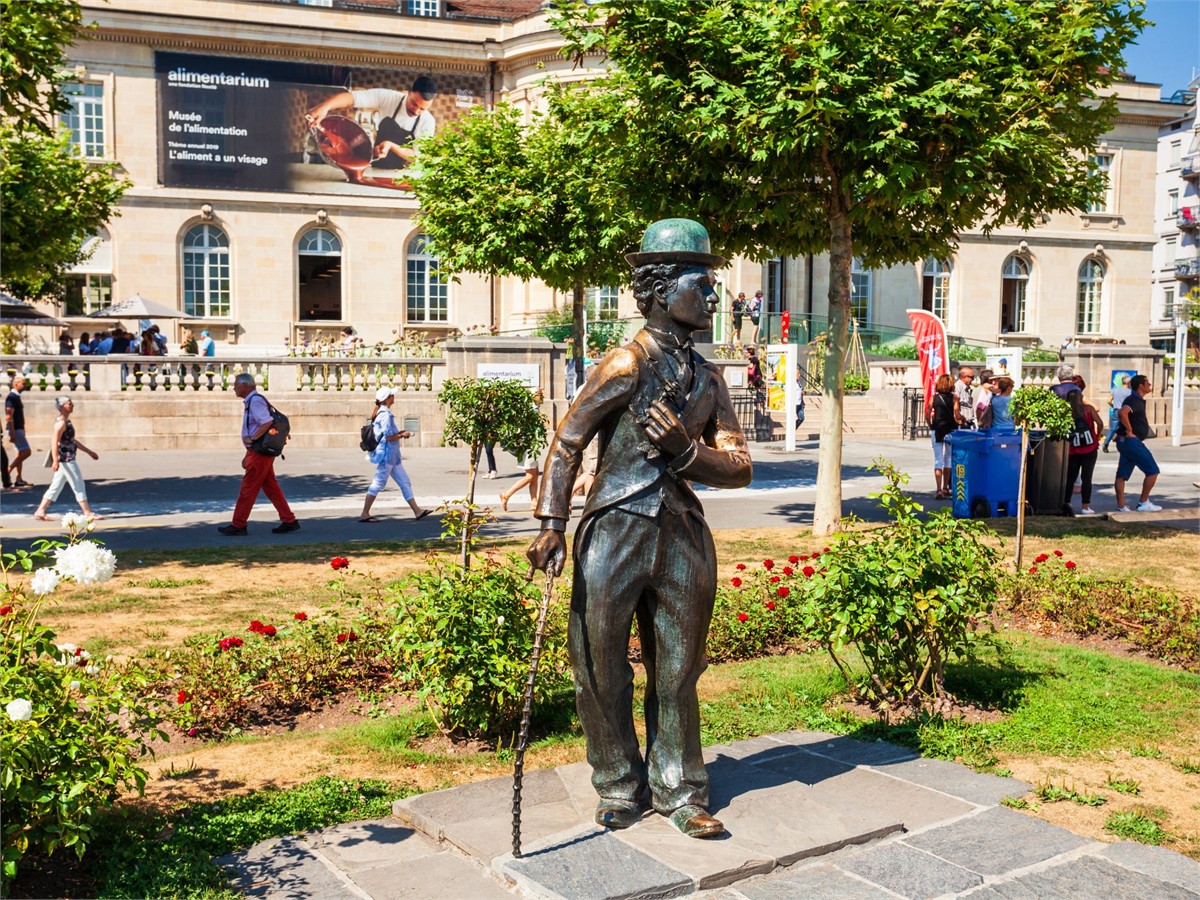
1085, 447
386, 436
941, 419
258, 420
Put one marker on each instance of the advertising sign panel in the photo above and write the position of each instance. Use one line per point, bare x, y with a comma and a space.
1005, 361
266, 125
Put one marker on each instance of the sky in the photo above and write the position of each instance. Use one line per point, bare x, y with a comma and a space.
1167, 52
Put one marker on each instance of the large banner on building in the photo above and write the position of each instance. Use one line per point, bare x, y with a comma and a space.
264, 125
933, 351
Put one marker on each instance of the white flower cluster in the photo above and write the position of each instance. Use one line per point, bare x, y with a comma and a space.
75, 522
86, 562
19, 710
45, 581
76, 657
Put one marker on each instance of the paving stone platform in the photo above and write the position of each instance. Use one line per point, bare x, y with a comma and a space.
808, 815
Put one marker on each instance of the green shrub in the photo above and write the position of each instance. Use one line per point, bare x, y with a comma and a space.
909, 596
760, 609
74, 727
602, 334
1036, 407
464, 637
1157, 620
857, 382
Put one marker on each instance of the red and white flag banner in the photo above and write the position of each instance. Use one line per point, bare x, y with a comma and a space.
933, 351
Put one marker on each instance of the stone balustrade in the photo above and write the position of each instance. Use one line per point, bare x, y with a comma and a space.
124, 373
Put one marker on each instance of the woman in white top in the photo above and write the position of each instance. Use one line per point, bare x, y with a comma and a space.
386, 457
63, 448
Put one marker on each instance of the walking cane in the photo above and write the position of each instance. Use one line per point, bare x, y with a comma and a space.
526, 713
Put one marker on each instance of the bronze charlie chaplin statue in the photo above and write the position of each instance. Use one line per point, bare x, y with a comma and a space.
664, 419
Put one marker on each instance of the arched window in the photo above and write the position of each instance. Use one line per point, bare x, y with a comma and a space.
1014, 295
860, 292
319, 268
935, 287
1090, 297
205, 272
427, 294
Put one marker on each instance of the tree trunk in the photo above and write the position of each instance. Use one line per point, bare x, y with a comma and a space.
827, 513
578, 332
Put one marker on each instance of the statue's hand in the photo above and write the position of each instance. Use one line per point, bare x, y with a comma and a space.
547, 553
666, 431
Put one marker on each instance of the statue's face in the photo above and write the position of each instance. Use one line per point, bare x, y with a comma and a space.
694, 302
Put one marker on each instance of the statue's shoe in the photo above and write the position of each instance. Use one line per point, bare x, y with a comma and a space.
618, 813
695, 822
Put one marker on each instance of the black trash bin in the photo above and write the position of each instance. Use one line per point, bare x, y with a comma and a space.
1046, 476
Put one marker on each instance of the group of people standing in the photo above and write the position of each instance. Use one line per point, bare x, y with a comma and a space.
742, 309
961, 403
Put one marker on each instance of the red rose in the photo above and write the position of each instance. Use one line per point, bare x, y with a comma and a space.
181, 698
301, 617
788, 570
771, 603
341, 638
192, 732
825, 550
79, 651
742, 617
1033, 570
5, 610
339, 562
1058, 553
809, 571
268, 631
774, 579
347, 636
1040, 558
736, 582
793, 559
255, 626
768, 564
1070, 565
782, 592
803, 557
741, 567
816, 554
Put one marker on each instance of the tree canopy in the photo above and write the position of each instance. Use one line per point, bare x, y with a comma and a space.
52, 199
501, 196
879, 130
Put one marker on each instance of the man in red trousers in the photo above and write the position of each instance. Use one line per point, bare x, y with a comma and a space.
260, 468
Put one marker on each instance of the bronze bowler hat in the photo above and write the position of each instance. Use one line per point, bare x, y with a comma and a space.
675, 241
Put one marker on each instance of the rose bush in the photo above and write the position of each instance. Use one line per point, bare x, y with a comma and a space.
74, 727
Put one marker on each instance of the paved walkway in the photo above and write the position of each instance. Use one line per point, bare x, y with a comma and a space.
176, 499
809, 815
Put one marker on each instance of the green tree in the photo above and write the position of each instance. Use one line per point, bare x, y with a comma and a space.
52, 200
483, 410
502, 197
879, 130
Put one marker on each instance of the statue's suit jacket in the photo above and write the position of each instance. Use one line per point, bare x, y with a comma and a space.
631, 474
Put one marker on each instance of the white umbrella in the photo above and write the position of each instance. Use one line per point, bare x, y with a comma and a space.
136, 307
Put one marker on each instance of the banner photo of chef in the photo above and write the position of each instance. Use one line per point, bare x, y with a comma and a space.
268, 125
933, 351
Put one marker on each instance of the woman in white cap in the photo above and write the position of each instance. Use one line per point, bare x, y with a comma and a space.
63, 448
386, 457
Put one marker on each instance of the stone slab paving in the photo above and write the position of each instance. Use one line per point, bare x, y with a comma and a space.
809, 815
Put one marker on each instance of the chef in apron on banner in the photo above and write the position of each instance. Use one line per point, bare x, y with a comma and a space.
403, 118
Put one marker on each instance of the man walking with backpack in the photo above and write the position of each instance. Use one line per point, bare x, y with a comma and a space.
257, 420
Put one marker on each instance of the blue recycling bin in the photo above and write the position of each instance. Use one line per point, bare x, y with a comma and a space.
986, 473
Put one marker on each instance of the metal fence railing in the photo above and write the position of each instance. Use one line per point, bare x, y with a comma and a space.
914, 425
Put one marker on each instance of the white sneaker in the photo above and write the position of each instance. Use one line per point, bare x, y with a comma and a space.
1087, 511
1148, 507
1123, 509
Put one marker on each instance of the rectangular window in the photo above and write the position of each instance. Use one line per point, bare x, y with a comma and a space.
1172, 202
1170, 249
1169, 303
85, 118
602, 302
422, 7
1176, 153
1102, 163
860, 294
1088, 319
86, 294
427, 294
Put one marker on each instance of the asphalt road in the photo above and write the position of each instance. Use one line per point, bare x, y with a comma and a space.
176, 499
